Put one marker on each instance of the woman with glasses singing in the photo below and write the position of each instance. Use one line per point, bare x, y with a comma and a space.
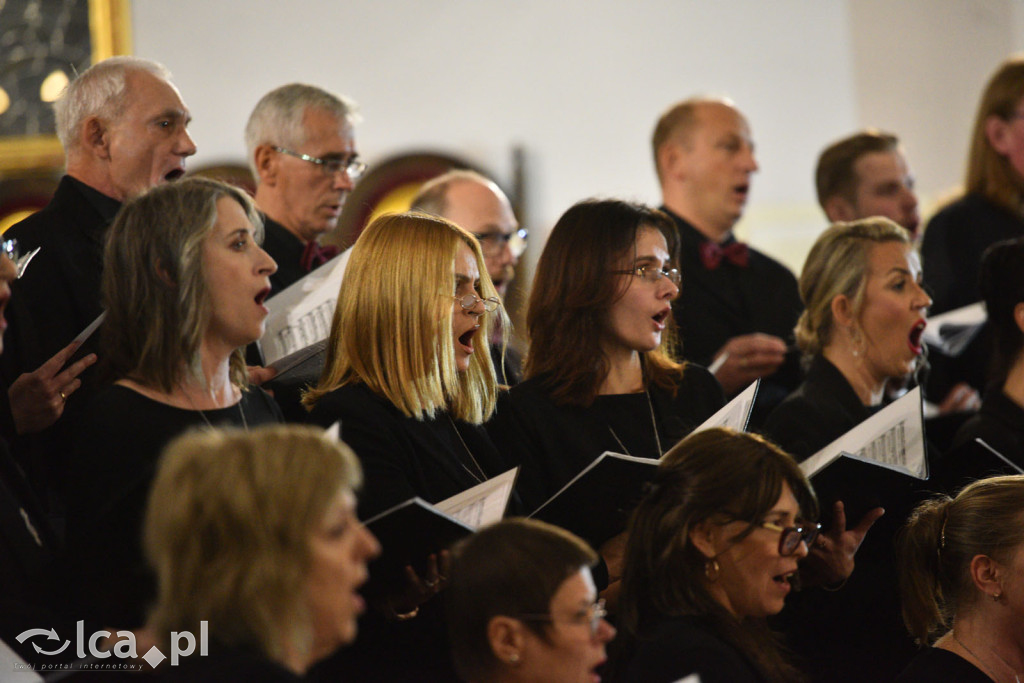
962, 584
409, 376
521, 606
713, 547
599, 374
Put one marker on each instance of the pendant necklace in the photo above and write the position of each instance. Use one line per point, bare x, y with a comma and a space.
654, 426
241, 410
984, 666
482, 477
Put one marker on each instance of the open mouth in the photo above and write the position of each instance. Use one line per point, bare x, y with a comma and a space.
262, 296
784, 579
175, 174
742, 189
466, 339
914, 339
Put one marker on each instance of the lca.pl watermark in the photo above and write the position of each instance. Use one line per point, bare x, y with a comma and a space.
182, 644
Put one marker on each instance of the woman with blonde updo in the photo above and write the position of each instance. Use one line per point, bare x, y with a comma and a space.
862, 326
962, 578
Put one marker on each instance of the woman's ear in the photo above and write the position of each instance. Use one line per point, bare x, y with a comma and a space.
703, 537
842, 310
507, 639
995, 131
987, 576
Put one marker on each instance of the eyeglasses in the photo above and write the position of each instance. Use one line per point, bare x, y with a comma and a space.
469, 302
592, 616
492, 244
650, 274
793, 535
12, 250
353, 167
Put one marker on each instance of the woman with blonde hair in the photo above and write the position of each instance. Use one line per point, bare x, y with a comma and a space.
862, 325
961, 566
409, 377
255, 542
989, 211
183, 286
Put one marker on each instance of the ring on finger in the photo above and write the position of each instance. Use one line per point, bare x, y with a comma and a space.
63, 396
430, 584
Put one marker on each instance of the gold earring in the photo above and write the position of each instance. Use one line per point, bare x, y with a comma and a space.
711, 570
513, 658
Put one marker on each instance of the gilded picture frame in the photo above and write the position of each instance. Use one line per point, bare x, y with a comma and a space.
109, 34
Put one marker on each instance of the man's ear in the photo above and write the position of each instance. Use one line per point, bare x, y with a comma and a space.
94, 135
838, 208
266, 159
507, 639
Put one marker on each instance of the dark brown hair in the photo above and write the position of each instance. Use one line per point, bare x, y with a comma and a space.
573, 291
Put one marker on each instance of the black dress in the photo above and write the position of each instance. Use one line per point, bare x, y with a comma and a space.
855, 633
675, 647
553, 442
403, 457
115, 459
936, 665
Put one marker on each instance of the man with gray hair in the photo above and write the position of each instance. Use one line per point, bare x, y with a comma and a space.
123, 126
478, 205
302, 152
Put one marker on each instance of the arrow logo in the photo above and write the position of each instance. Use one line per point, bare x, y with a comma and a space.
50, 635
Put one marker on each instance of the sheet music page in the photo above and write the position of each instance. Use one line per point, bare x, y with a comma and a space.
736, 413
953, 330
891, 438
484, 503
301, 315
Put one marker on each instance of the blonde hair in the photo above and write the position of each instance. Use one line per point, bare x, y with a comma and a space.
392, 328
989, 173
837, 265
228, 526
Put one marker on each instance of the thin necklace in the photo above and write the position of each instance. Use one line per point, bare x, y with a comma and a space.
654, 426
245, 424
479, 479
988, 671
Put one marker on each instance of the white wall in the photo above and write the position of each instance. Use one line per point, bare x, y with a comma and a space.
580, 83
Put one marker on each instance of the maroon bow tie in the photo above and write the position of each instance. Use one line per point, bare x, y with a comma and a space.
316, 255
711, 254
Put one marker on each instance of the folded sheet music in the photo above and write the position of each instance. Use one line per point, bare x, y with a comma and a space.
301, 315
736, 413
952, 331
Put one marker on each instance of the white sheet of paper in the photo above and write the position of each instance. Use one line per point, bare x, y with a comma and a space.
14, 669
736, 413
892, 438
999, 455
968, 320
301, 315
92, 327
484, 503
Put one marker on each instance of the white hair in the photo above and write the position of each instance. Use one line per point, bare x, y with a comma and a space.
98, 91
278, 117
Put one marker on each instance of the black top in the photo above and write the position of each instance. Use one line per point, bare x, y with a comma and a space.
403, 457
118, 446
823, 408
554, 442
58, 296
286, 249
856, 633
951, 252
675, 647
227, 664
1000, 424
936, 665
716, 305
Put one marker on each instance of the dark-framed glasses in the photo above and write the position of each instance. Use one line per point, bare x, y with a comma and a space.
352, 166
493, 243
20, 259
793, 535
651, 274
592, 617
469, 302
